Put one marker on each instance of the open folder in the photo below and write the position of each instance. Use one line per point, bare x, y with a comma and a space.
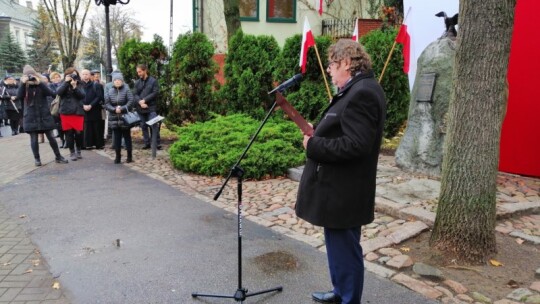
293, 114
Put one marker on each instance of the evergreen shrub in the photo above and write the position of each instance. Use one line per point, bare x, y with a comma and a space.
394, 82
248, 73
192, 70
213, 147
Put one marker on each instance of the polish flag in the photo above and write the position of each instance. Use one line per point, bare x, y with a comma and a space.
404, 38
319, 6
307, 41
355, 32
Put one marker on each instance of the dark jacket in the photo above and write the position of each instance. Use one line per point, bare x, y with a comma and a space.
7, 91
148, 90
71, 100
118, 97
37, 116
337, 188
94, 97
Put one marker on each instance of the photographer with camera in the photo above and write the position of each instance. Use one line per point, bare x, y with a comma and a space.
12, 105
37, 116
71, 111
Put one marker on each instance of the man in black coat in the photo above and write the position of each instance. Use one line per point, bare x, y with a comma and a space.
337, 189
145, 94
93, 119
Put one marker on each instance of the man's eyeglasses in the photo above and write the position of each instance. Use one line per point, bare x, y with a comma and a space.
333, 63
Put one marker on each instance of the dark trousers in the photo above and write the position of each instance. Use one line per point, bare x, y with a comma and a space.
346, 263
118, 133
14, 118
144, 127
35, 145
74, 137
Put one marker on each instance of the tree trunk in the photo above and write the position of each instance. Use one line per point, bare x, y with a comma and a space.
465, 222
232, 16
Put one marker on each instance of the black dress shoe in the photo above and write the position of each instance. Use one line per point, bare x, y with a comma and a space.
146, 147
61, 160
326, 297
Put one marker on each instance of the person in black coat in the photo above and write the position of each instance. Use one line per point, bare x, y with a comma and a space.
71, 111
12, 105
93, 126
118, 101
37, 117
337, 188
56, 79
145, 94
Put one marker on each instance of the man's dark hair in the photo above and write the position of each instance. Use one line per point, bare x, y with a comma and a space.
142, 66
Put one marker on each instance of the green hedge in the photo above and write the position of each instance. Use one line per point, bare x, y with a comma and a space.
192, 72
395, 82
248, 71
213, 147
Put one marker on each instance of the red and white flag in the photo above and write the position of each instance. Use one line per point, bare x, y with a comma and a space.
319, 6
405, 37
307, 41
355, 32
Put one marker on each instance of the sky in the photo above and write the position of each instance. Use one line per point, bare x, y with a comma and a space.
154, 16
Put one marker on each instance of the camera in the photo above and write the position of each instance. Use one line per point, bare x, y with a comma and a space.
31, 77
74, 76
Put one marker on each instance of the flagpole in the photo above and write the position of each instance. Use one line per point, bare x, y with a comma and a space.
323, 72
387, 60
392, 50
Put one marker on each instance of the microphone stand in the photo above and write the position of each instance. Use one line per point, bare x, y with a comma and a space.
241, 293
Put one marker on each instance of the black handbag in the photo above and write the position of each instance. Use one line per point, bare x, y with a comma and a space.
131, 118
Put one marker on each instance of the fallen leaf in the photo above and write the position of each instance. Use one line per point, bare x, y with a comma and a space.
495, 263
405, 249
22, 216
6, 264
35, 262
56, 285
28, 271
519, 241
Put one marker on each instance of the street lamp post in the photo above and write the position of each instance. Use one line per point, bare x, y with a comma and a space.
108, 3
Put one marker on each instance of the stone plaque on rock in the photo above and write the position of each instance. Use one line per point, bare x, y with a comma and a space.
426, 84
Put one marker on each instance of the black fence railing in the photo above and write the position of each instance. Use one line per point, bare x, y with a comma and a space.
338, 28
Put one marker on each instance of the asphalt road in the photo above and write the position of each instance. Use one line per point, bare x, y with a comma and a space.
170, 243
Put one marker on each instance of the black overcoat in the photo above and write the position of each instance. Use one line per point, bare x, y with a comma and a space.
337, 188
93, 97
37, 114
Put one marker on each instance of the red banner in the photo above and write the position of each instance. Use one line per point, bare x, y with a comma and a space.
520, 138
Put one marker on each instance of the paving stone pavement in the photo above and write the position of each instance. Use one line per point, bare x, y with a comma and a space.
405, 204
24, 274
405, 207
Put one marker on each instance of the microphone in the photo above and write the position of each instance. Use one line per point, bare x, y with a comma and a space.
285, 85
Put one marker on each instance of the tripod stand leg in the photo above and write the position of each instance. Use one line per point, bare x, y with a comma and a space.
279, 288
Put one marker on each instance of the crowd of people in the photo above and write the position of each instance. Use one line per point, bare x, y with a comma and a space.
89, 111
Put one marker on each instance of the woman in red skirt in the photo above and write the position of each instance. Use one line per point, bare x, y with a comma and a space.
71, 111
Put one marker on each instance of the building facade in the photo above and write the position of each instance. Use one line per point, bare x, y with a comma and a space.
17, 19
279, 18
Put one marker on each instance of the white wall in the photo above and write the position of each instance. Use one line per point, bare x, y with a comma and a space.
215, 28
